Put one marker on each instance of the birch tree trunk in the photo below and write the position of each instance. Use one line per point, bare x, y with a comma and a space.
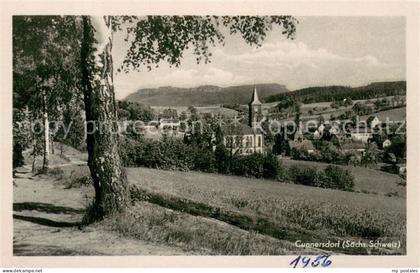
52, 144
32, 135
45, 163
109, 178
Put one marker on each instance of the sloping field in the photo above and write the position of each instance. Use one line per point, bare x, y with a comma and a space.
365, 179
397, 114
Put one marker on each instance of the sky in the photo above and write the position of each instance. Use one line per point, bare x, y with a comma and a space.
351, 51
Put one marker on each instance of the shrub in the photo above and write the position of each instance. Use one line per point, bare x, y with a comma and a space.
302, 175
79, 181
174, 154
222, 159
337, 178
204, 160
371, 156
332, 177
271, 166
250, 165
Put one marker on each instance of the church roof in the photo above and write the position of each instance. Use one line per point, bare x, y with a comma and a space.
239, 129
254, 99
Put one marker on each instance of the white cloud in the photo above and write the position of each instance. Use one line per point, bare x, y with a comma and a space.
293, 64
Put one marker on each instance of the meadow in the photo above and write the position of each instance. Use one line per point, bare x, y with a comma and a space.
283, 211
366, 180
213, 214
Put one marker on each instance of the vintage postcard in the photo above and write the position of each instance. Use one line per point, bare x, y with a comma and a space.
237, 133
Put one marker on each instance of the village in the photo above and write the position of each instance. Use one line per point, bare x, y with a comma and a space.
164, 140
265, 129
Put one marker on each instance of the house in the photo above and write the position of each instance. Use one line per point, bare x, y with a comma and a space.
156, 129
242, 138
317, 135
304, 144
402, 170
360, 133
169, 124
375, 122
386, 143
334, 130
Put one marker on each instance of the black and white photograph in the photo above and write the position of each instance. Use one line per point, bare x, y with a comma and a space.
209, 135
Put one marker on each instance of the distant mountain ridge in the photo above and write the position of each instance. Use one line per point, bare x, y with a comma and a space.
203, 95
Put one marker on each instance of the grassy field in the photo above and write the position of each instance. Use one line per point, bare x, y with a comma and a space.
162, 226
366, 180
296, 212
227, 215
397, 114
210, 109
325, 109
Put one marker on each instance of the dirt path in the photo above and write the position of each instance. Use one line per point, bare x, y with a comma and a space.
46, 222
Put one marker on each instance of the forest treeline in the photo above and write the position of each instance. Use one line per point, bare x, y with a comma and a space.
338, 93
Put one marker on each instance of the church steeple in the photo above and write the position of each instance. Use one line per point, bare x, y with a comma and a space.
255, 110
254, 99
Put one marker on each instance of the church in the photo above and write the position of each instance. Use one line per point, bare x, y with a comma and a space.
248, 138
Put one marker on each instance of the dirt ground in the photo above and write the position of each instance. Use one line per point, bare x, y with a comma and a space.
46, 219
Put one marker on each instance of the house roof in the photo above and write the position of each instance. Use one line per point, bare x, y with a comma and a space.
254, 99
360, 129
239, 129
304, 144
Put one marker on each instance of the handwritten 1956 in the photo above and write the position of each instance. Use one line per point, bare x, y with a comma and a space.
321, 260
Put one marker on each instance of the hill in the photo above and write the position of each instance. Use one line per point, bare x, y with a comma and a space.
331, 93
397, 114
283, 211
203, 95
193, 213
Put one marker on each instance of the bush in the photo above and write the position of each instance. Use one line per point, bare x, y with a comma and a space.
250, 165
222, 159
254, 165
299, 154
333, 177
79, 181
302, 175
204, 160
271, 166
174, 154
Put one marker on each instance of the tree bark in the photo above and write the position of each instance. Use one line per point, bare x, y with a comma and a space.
46, 154
32, 135
33, 156
52, 145
109, 178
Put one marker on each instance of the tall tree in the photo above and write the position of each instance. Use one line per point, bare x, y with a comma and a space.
46, 72
152, 39
109, 179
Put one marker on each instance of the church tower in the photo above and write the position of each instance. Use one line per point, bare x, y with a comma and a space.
255, 110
